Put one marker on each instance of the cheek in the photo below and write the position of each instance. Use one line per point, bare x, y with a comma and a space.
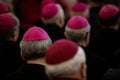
16, 35
88, 38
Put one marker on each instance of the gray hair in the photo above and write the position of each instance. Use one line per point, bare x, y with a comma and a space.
68, 67
76, 34
59, 14
34, 49
15, 26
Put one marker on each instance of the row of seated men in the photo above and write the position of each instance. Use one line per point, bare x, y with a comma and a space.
83, 48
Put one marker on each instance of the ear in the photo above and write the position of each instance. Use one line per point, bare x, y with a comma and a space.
61, 22
65, 34
87, 37
83, 73
22, 55
14, 36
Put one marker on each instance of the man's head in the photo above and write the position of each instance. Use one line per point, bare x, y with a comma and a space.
80, 9
109, 15
53, 14
65, 58
4, 8
78, 29
34, 43
9, 27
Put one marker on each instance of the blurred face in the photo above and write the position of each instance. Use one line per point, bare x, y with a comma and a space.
16, 35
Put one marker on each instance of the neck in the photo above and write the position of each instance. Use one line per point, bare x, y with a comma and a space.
115, 27
82, 43
37, 61
75, 76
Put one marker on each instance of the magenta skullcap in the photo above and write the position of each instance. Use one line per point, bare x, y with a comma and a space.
6, 23
108, 11
35, 33
77, 22
3, 8
61, 51
79, 7
49, 11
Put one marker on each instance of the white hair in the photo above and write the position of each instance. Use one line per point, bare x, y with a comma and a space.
71, 66
76, 34
16, 25
34, 49
54, 19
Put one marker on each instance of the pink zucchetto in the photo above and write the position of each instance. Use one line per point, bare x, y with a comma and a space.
6, 23
79, 7
49, 11
108, 11
35, 33
60, 51
77, 22
4, 8
62, 56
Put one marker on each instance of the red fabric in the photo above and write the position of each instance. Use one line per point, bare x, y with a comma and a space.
25, 26
30, 10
